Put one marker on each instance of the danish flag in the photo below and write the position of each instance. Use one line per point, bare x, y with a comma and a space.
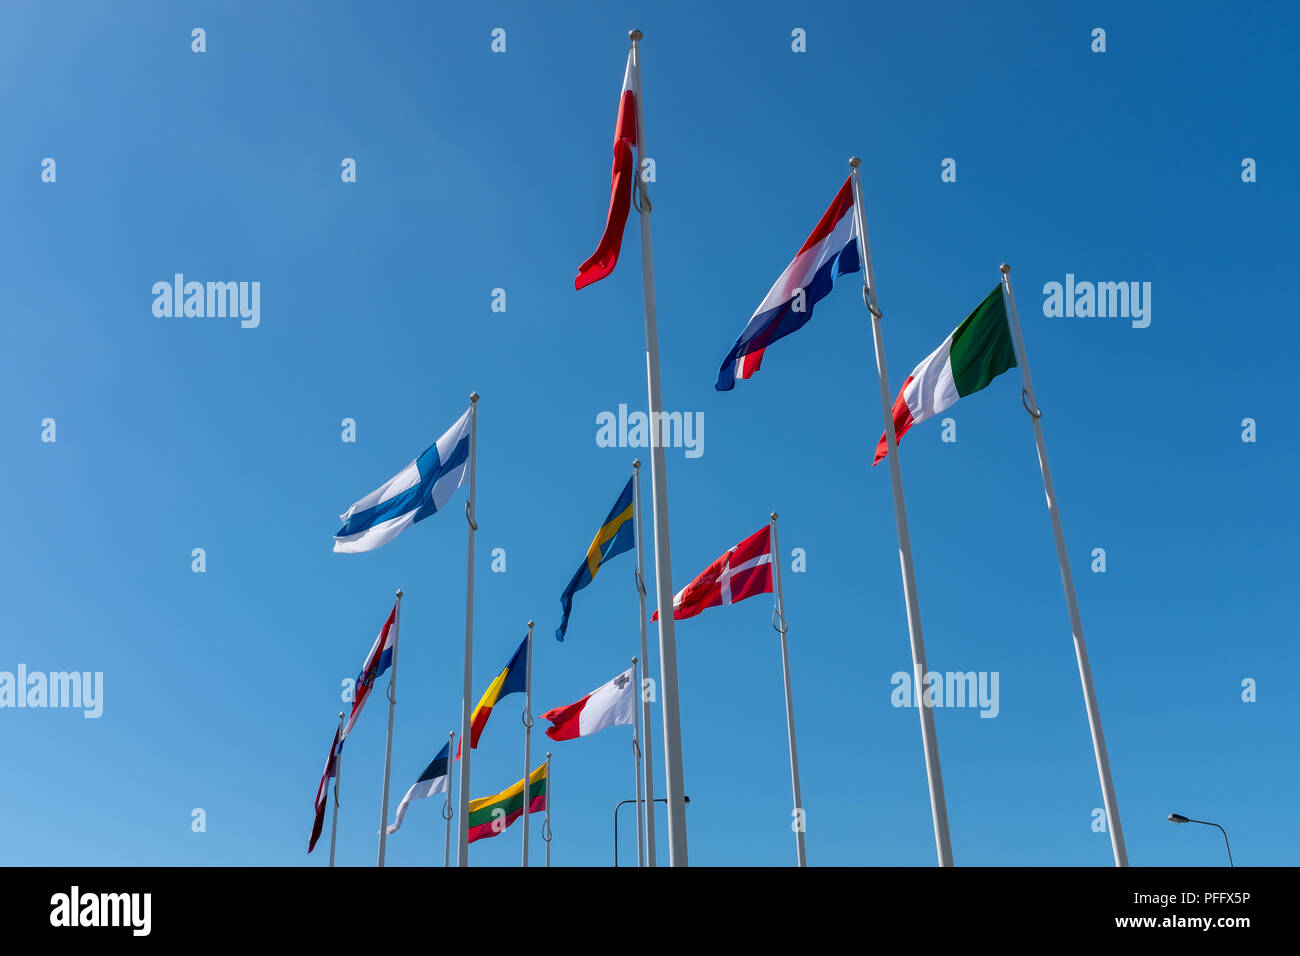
741, 572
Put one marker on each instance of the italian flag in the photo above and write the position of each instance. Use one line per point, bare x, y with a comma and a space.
489, 816
977, 352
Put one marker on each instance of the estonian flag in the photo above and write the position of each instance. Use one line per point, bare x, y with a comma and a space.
433, 780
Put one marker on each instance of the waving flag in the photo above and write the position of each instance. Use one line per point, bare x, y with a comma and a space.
974, 354
420, 489
741, 572
622, 178
607, 706
831, 251
433, 780
378, 660
616, 535
489, 816
323, 790
512, 680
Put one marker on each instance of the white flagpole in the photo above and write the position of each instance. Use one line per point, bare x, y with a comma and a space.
392, 706
938, 805
528, 730
546, 824
648, 747
467, 686
1072, 604
338, 775
673, 783
446, 804
636, 766
778, 622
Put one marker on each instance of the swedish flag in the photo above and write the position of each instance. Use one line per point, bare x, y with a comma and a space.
616, 535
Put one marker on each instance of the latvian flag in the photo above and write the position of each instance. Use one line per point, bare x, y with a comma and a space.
607, 706
378, 660
622, 178
831, 251
974, 354
741, 572
433, 780
420, 489
323, 789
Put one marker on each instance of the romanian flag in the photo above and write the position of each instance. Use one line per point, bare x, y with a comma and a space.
616, 535
512, 680
489, 816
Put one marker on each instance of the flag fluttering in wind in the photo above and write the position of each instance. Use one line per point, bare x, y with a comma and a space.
741, 572
489, 816
831, 251
622, 178
607, 706
512, 680
378, 660
322, 791
433, 780
974, 354
420, 489
617, 534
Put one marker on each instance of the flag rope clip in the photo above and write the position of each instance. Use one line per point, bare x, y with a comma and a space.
1024, 400
526, 717
639, 199
546, 830
446, 809
640, 584
866, 300
781, 628
473, 526
391, 699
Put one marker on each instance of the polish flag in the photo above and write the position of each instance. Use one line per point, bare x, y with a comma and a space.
607, 706
741, 572
605, 257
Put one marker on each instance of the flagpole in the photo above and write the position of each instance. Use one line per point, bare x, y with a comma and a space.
546, 825
1072, 604
659, 501
467, 688
392, 706
778, 622
446, 804
528, 730
648, 747
636, 767
934, 774
338, 774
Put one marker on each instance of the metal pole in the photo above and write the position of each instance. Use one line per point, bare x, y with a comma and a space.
392, 706
648, 750
546, 825
1072, 604
467, 688
447, 813
528, 731
778, 622
636, 766
934, 775
673, 783
338, 774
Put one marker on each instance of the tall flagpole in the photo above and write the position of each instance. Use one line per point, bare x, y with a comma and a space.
392, 706
546, 824
938, 805
1072, 604
778, 621
467, 687
659, 500
636, 767
447, 813
647, 749
338, 774
528, 731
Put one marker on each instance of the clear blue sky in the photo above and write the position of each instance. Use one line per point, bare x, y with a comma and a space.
479, 170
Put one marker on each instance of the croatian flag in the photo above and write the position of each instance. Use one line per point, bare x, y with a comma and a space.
420, 489
741, 572
831, 251
378, 660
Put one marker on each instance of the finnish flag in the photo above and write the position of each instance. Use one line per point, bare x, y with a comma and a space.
420, 489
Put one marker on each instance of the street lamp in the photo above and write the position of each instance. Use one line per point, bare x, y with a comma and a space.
616, 809
1179, 818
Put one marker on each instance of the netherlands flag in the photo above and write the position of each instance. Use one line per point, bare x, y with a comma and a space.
831, 251
378, 660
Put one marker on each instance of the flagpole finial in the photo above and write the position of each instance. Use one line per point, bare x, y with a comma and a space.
636, 462
634, 35
1006, 269
399, 592
634, 660
854, 162
531, 623
473, 397
548, 755
773, 515
340, 715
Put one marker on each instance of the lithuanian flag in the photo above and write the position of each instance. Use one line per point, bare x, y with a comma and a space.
489, 816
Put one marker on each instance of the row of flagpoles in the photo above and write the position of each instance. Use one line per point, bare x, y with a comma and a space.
986, 344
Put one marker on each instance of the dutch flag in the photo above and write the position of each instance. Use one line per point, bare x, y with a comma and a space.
831, 251
420, 489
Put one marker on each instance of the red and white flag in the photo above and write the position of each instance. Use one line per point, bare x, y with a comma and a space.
605, 257
741, 572
323, 791
607, 706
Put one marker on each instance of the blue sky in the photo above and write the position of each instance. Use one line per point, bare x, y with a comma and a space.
478, 171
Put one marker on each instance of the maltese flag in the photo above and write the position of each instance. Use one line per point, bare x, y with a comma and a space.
607, 706
741, 572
